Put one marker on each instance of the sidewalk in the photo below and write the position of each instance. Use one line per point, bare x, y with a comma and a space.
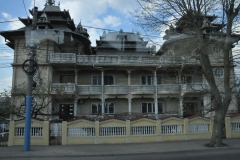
111, 149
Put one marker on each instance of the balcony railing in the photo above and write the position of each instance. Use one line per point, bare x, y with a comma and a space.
89, 89
63, 58
106, 59
116, 89
198, 87
168, 88
142, 89
125, 89
63, 87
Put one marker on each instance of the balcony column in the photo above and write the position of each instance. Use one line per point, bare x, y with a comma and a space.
76, 76
102, 81
129, 105
156, 94
180, 106
75, 107
129, 80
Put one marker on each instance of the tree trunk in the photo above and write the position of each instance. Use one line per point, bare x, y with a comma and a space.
217, 132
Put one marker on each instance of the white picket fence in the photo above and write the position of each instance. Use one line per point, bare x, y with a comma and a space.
198, 128
35, 131
81, 131
143, 130
112, 131
171, 129
235, 126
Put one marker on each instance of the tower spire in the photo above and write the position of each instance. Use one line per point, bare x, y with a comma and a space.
50, 2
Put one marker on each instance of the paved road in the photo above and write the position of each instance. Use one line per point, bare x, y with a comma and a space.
218, 154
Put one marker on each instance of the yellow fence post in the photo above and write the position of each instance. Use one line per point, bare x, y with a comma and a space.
128, 131
64, 132
11, 133
228, 127
185, 125
158, 127
45, 133
96, 132
186, 128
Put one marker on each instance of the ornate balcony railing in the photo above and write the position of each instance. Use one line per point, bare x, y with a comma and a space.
109, 59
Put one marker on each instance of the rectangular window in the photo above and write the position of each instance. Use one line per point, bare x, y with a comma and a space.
108, 80
146, 80
67, 79
97, 108
97, 80
109, 108
159, 79
149, 107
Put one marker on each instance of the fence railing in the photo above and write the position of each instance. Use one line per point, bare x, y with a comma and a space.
117, 131
112, 131
35, 131
198, 128
235, 126
172, 129
143, 130
81, 131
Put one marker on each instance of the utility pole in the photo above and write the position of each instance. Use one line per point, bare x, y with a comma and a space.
30, 71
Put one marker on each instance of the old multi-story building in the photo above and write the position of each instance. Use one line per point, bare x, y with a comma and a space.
120, 75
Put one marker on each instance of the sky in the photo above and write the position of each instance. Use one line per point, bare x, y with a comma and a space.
105, 14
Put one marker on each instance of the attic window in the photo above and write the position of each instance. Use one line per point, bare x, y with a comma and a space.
218, 72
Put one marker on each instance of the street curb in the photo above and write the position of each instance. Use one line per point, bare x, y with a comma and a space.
117, 154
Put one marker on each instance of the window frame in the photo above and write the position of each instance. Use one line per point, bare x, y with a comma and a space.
99, 80
217, 74
152, 107
146, 80
99, 107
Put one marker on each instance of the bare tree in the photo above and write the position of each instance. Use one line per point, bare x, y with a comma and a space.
154, 15
14, 100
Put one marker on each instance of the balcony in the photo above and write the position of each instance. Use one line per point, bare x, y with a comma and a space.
168, 88
63, 58
89, 89
195, 87
116, 89
119, 60
125, 89
63, 87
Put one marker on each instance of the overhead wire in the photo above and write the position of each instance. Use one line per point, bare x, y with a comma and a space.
25, 7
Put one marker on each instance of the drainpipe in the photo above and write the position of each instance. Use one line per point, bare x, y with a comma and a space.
156, 92
102, 75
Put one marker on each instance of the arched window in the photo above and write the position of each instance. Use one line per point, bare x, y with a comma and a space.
218, 72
